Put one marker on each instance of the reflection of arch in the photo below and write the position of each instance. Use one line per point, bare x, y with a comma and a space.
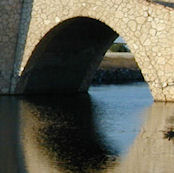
59, 136
151, 151
67, 57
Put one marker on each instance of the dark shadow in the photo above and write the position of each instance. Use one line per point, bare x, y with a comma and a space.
65, 133
167, 4
169, 132
21, 42
67, 57
11, 155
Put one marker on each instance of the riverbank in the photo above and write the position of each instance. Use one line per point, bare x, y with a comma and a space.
118, 67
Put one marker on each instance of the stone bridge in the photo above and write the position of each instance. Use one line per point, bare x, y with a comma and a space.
50, 46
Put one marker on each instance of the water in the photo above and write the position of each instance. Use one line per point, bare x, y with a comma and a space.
115, 128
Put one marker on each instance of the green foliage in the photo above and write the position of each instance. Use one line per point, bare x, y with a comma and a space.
119, 47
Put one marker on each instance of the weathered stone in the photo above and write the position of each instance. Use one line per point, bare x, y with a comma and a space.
147, 28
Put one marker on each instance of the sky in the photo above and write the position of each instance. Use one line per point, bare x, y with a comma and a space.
119, 40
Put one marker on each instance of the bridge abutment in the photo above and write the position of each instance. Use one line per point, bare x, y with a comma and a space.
10, 15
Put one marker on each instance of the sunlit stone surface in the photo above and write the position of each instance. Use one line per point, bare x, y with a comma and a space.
146, 26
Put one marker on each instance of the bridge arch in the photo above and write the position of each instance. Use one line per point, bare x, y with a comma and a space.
67, 57
144, 25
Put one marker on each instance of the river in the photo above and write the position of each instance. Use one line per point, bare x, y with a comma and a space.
114, 128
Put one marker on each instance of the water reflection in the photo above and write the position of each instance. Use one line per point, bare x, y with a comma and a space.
152, 151
87, 134
62, 137
11, 159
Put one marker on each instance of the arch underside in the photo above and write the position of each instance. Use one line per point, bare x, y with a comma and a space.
167, 3
67, 57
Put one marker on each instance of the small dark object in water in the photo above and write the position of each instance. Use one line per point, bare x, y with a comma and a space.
169, 134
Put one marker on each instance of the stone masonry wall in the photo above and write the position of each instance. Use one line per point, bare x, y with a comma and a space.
9, 23
147, 27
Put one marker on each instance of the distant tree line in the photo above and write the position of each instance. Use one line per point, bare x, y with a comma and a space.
119, 47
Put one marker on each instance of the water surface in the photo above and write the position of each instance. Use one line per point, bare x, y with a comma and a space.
111, 129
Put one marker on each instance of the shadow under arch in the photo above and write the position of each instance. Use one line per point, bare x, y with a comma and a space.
66, 57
